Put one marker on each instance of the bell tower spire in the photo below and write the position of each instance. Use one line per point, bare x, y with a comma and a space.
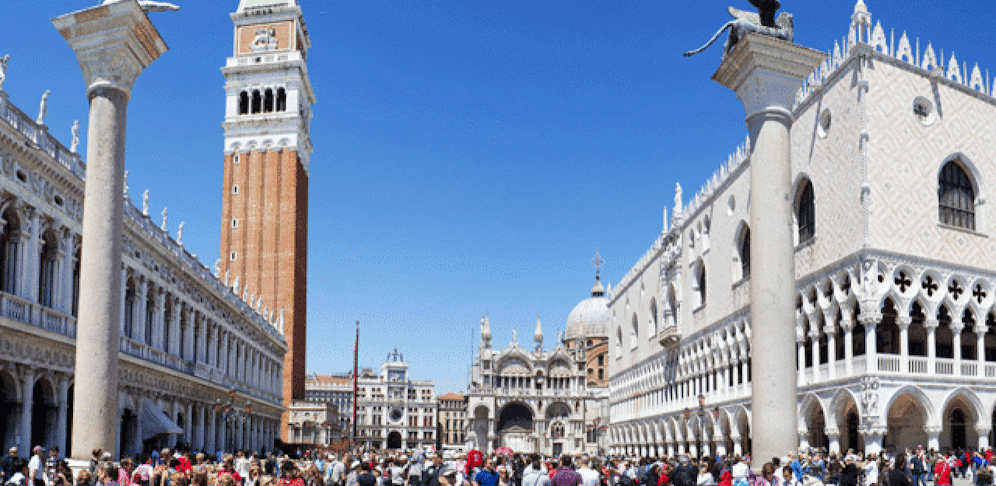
264, 220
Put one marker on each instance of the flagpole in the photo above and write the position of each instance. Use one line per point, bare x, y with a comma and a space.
356, 350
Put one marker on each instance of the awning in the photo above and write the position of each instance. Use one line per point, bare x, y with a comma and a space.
155, 422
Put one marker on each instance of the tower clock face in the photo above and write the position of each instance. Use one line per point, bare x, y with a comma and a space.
395, 415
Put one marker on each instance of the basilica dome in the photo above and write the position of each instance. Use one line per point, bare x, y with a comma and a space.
590, 318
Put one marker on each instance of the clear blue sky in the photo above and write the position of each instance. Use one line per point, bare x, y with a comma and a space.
470, 156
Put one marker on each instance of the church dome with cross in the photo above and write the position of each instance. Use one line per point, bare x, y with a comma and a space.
590, 318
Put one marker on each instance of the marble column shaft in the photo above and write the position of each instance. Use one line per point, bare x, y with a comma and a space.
766, 73
113, 43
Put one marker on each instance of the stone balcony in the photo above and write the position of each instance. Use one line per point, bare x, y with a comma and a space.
669, 336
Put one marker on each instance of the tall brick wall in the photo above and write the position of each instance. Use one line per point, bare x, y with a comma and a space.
270, 241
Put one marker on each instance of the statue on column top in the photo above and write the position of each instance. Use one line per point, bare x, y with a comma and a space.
145, 202
43, 109
163, 227
179, 234
763, 22
76, 136
3, 69
126, 194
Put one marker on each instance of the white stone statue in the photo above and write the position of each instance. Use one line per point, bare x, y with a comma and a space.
179, 234
677, 198
3, 69
43, 109
126, 195
515, 336
76, 137
150, 6
163, 226
217, 267
145, 202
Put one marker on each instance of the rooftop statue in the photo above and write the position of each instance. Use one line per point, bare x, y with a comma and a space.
763, 22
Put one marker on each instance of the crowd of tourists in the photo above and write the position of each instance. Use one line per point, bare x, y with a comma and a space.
428, 468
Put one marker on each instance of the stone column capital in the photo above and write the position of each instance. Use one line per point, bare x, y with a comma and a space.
766, 73
870, 319
931, 324
904, 322
113, 44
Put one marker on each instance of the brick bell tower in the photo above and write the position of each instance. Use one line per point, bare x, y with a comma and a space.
264, 220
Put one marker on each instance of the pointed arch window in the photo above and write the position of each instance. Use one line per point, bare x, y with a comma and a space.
634, 333
805, 212
956, 197
700, 284
743, 250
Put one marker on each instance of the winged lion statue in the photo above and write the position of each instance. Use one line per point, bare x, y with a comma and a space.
744, 22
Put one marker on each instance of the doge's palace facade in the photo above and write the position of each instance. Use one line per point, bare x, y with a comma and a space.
198, 364
892, 160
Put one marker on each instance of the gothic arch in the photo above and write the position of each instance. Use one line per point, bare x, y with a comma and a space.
921, 399
976, 407
741, 251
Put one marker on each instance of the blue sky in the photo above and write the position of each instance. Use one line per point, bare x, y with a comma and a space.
470, 156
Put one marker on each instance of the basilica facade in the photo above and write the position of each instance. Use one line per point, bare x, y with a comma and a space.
892, 161
546, 401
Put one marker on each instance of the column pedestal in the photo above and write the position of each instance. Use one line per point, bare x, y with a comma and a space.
113, 44
766, 73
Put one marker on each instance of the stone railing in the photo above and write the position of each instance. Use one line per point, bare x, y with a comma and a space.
20, 310
38, 134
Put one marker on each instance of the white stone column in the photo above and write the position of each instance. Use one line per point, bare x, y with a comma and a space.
159, 327
834, 436
931, 326
62, 414
873, 440
848, 326
814, 337
956, 327
212, 428
904, 342
800, 356
980, 352
142, 302
27, 406
113, 44
32, 257
766, 73
122, 303
65, 279
983, 434
831, 350
870, 320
